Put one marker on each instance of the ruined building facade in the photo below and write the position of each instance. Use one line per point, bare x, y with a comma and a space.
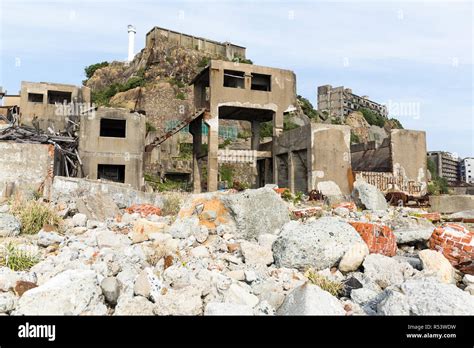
214, 48
339, 102
446, 165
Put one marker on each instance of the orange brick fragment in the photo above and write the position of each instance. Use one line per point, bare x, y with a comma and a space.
379, 238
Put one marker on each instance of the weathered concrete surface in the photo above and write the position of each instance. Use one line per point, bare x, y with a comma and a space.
447, 204
95, 149
122, 194
27, 166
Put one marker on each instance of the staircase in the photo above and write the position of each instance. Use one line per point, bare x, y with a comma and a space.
158, 140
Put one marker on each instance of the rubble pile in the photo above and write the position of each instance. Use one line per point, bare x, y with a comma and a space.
236, 253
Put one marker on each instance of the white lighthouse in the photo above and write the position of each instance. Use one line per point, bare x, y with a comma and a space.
131, 42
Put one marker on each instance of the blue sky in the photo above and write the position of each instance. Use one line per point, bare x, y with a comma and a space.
405, 53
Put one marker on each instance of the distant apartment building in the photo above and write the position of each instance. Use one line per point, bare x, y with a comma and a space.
339, 102
446, 165
467, 170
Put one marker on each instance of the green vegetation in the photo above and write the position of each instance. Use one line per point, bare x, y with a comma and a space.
204, 62
226, 173
354, 138
176, 82
334, 288
103, 96
373, 118
266, 129
185, 151
288, 124
438, 185
90, 70
150, 127
226, 143
181, 96
34, 215
336, 121
171, 204
165, 185
16, 259
238, 59
244, 135
396, 123
307, 107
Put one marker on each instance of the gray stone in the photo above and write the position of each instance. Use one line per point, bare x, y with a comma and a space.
368, 196
97, 207
110, 289
363, 296
9, 225
427, 296
109, 239
46, 239
239, 293
310, 299
72, 292
256, 212
218, 308
385, 271
319, 244
411, 229
7, 302
8, 279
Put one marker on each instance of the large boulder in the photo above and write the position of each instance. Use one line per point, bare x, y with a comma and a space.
97, 207
9, 225
257, 212
319, 244
386, 271
435, 263
72, 292
427, 296
368, 196
411, 229
309, 299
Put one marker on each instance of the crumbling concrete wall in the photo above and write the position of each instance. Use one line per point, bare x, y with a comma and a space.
447, 204
314, 157
331, 170
25, 167
399, 164
127, 151
218, 49
35, 100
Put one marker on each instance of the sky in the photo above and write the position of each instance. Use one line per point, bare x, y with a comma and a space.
414, 56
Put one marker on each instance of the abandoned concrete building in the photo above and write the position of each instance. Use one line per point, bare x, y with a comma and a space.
52, 104
339, 102
226, 90
447, 165
217, 49
111, 146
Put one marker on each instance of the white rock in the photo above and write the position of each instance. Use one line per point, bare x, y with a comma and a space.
250, 276
8, 279
7, 302
46, 239
218, 308
385, 271
319, 244
354, 257
200, 252
368, 196
137, 305
434, 262
255, 254
468, 279
240, 294
185, 301
201, 234
9, 225
111, 289
72, 292
109, 239
79, 220
310, 299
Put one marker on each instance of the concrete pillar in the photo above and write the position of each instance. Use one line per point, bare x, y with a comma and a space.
291, 172
277, 130
213, 148
255, 135
195, 128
